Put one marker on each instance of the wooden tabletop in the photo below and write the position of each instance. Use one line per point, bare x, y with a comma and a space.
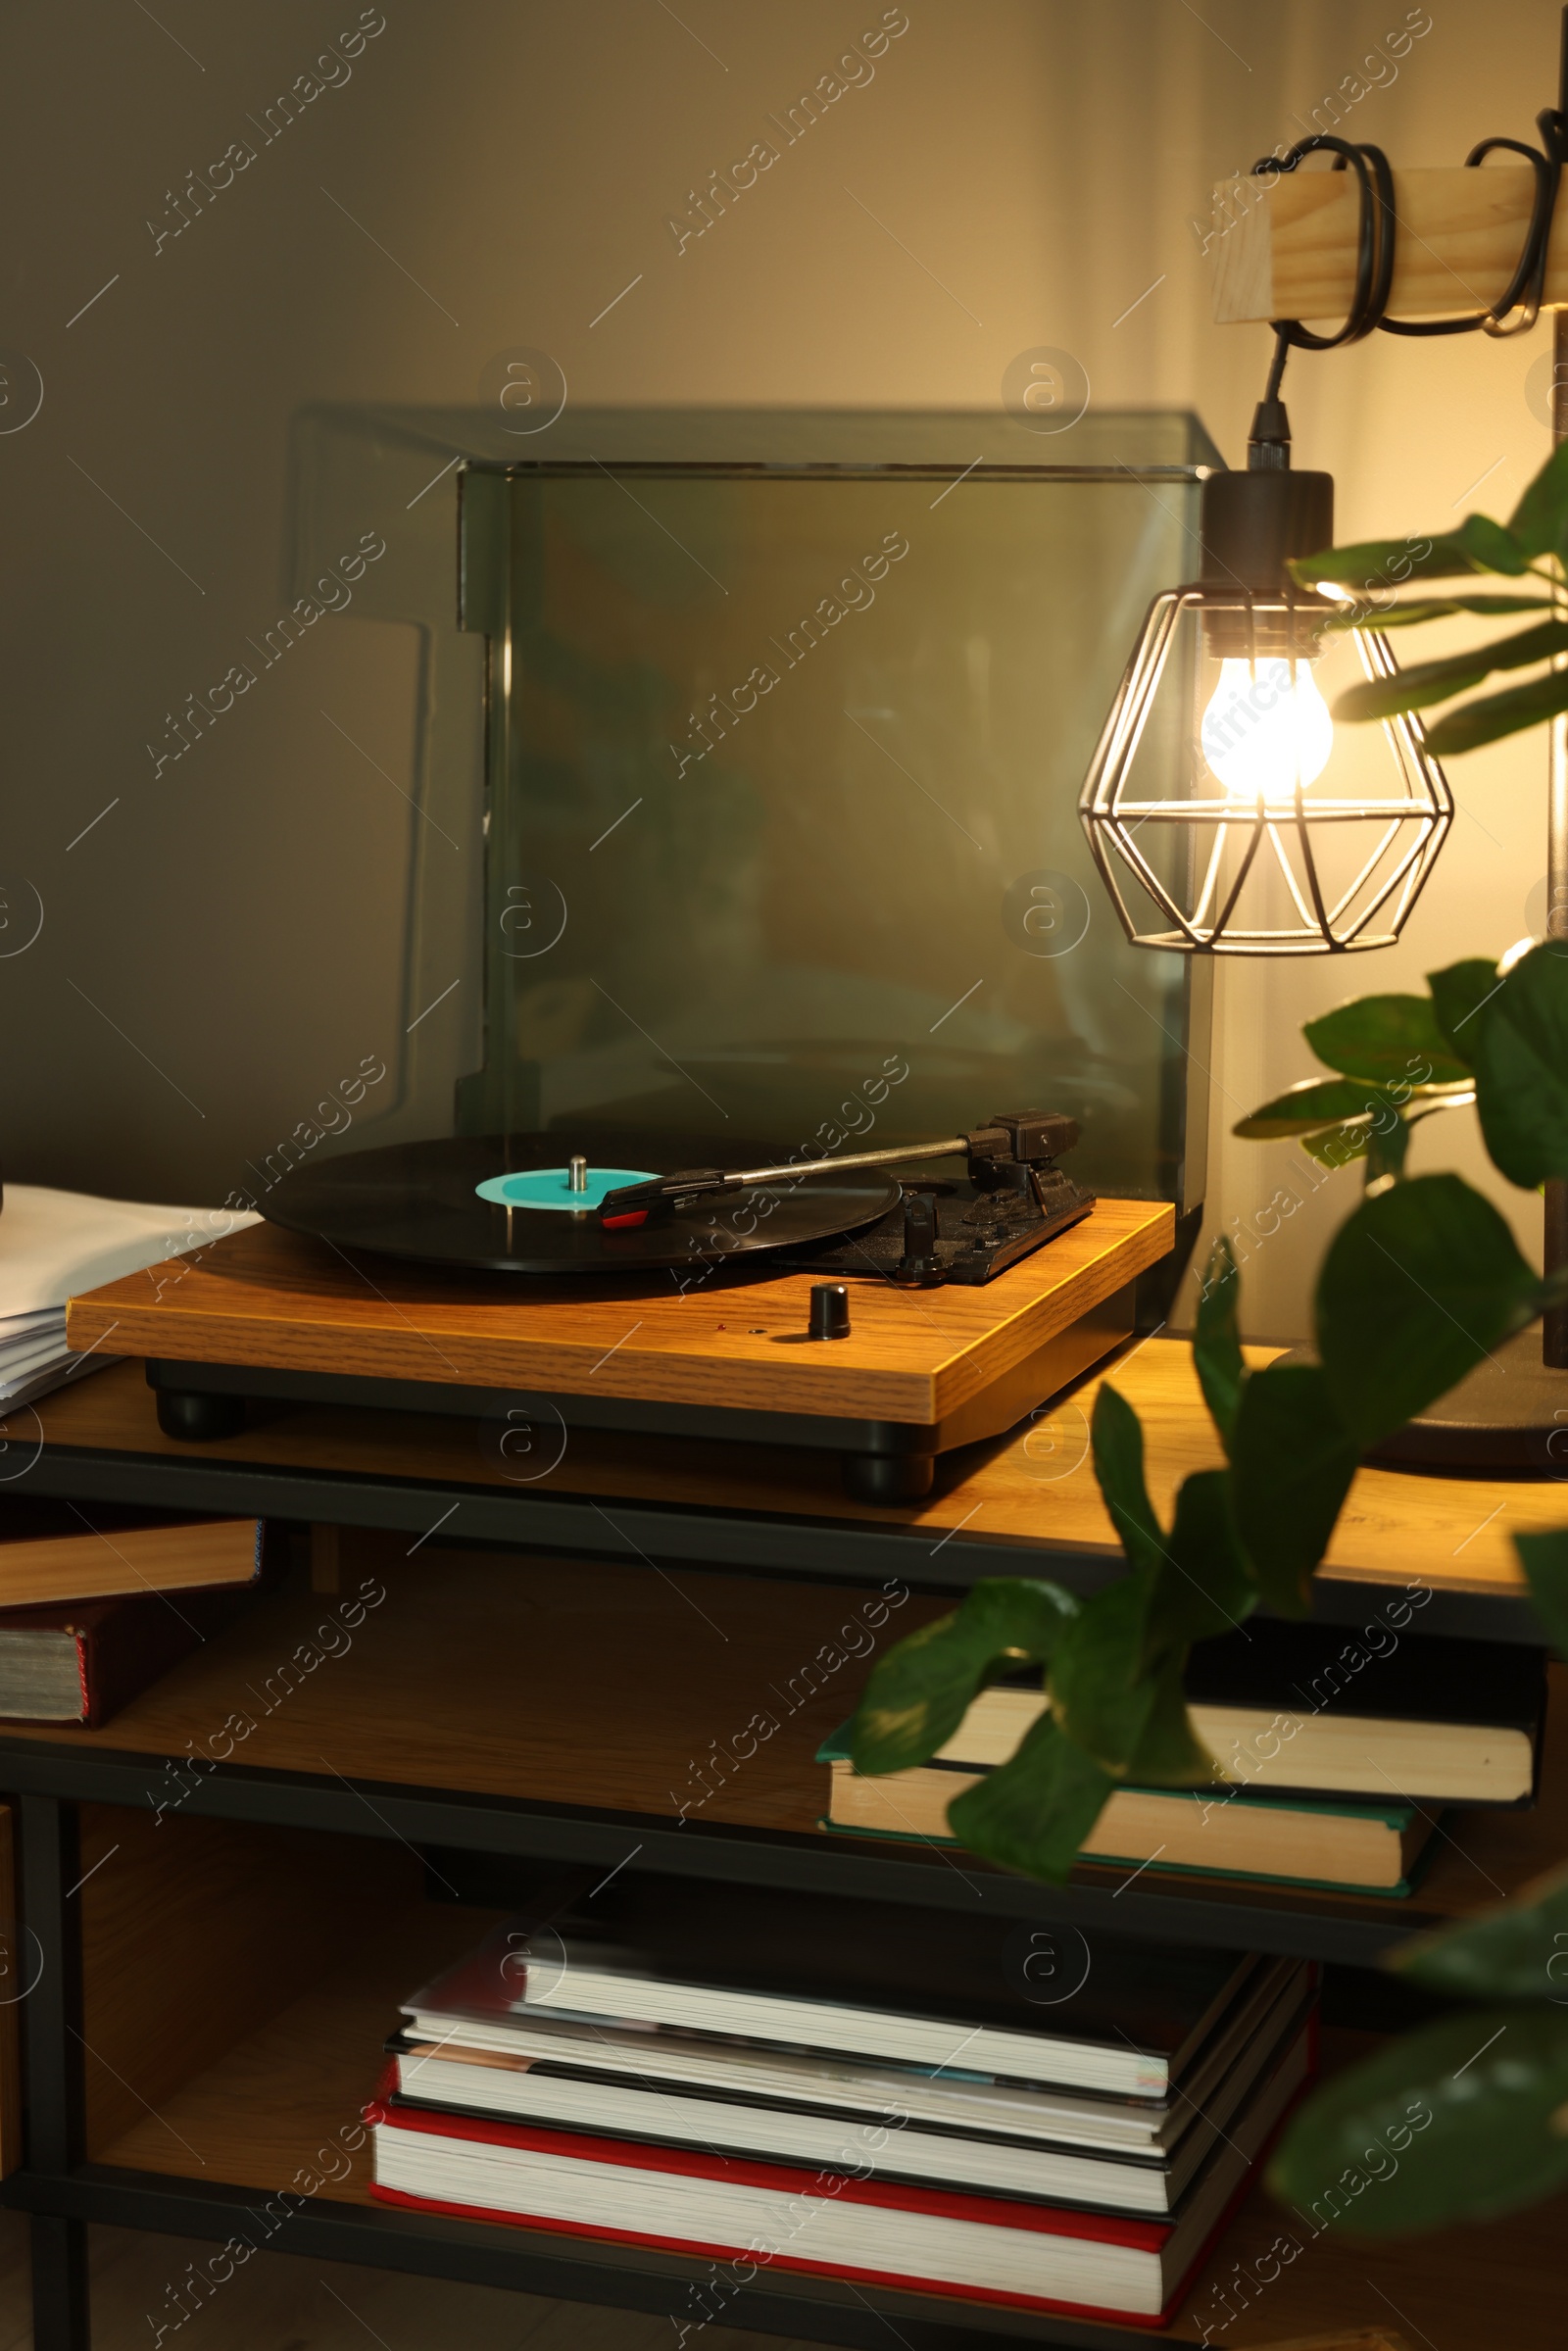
1448, 1534
269, 1298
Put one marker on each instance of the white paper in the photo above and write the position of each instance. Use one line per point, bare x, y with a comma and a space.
27, 1387
55, 1245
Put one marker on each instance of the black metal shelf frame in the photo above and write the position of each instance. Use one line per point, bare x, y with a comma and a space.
566, 1837
532, 2262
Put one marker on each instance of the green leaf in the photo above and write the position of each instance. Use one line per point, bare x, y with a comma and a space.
1379, 564
1478, 545
1412, 690
1541, 643
1216, 1340
1521, 1065
1103, 1678
1414, 611
1438, 681
1033, 1812
1112, 1677
1417, 1287
1544, 1560
1380, 1138
1294, 1463
1118, 1439
1392, 1040
920, 1693
1170, 1754
1203, 1587
1437, 2126
1458, 993
1101, 1694
1315, 1103
1489, 546
1335, 1146
1497, 715
1539, 521
1518, 1953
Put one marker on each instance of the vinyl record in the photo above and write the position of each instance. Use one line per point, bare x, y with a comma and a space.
438, 1202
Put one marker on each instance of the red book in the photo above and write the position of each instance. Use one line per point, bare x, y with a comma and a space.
840, 2223
80, 1661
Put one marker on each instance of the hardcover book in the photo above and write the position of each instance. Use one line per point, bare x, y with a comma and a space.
1321, 1709
53, 1550
833, 2220
877, 1980
1219, 1831
80, 1661
577, 2093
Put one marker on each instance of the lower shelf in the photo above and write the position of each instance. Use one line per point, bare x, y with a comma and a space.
574, 1714
258, 2131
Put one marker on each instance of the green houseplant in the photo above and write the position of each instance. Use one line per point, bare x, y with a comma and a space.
1394, 1068
1421, 1282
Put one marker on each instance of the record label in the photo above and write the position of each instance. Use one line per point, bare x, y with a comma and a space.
550, 1187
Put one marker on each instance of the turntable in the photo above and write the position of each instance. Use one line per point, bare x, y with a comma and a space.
859, 1304
504, 1203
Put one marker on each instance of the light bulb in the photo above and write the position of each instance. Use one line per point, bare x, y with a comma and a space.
1266, 727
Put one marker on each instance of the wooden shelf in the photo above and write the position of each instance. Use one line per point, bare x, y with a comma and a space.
538, 1681
1449, 1537
1472, 2288
600, 1690
261, 2112
263, 2108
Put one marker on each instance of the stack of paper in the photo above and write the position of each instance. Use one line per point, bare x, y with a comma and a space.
54, 1244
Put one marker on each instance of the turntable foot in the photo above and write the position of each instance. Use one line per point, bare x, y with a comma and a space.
186, 1413
888, 1477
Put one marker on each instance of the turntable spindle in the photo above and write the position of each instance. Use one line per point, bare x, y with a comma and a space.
576, 1173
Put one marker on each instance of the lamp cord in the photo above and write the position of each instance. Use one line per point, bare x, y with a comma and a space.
1377, 234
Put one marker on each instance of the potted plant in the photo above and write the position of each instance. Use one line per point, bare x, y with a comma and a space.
1420, 1283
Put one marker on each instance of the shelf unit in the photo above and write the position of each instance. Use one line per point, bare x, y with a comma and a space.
497, 1703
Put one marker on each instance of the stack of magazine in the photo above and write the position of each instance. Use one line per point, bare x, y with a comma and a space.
949, 2100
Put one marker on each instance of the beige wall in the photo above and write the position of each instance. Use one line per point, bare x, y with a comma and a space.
1037, 165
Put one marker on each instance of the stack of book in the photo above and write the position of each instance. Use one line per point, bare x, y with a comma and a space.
1334, 1755
949, 2100
95, 1603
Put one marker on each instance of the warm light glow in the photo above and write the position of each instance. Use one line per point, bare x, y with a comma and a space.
1266, 727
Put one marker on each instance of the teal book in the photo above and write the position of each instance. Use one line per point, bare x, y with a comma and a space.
1222, 1830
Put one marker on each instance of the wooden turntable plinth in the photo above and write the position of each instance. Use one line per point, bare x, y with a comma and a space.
267, 1313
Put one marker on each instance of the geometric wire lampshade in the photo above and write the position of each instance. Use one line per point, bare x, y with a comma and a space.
1228, 814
